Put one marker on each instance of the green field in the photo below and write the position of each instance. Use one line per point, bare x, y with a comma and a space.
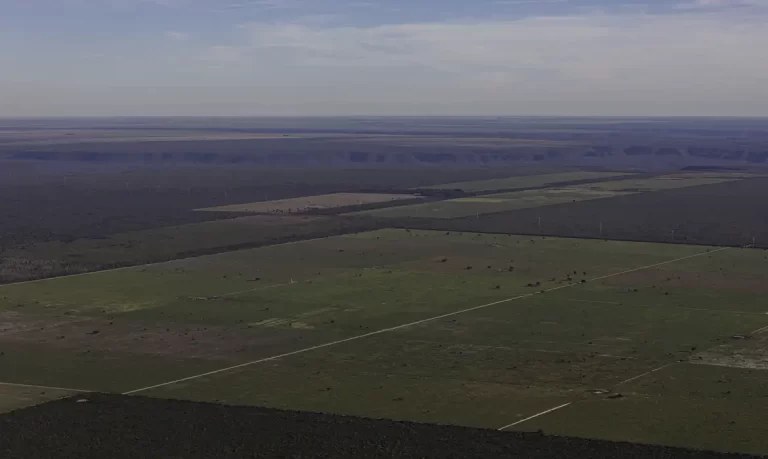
475, 330
668, 182
56, 258
525, 181
504, 202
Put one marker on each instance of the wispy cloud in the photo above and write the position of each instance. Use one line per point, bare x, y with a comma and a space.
721, 4
528, 2
258, 4
176, 36
706, 58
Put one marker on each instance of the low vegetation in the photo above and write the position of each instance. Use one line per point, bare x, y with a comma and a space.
574, 321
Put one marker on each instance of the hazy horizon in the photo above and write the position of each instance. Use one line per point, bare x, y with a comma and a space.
552, 58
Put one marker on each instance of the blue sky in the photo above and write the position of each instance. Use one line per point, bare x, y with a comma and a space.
346, 57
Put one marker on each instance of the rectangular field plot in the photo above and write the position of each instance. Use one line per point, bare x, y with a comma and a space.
326, 201
504, 202
381, 379
667, 182
526, 181
480, 205
460, 328
48, 259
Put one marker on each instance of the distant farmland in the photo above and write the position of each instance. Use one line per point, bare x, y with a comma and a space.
502, 202
306, 203
526, 181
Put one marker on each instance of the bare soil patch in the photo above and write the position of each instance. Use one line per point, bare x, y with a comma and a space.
749, 351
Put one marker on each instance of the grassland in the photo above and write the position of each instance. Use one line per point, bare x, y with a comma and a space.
475, 330
526, 181
56, 258
303, 204
503, 202
668, 182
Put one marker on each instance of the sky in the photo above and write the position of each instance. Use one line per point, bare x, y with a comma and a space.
384, 57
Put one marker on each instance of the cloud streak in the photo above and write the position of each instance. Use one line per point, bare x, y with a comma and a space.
706, 59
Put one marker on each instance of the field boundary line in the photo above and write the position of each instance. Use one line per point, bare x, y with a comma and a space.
535, 416
417, 322
634, 378
36, 386
616, 303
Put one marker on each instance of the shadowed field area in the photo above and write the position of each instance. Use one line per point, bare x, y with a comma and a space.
98, 425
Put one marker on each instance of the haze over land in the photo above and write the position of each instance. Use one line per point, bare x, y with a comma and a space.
328, 57
207, 216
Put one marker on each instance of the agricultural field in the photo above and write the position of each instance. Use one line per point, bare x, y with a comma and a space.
307, 203
526, 181
63, 201
55, 258
503, 202
495, 331
733, 213
670, 181
481, 205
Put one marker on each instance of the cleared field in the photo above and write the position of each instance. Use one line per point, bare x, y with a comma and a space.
303, 204
526, 181
47, 259
503, 202
480, 205
668, 182
732, 213
474, 330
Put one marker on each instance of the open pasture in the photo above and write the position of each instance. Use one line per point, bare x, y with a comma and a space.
494, 331
56, 258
